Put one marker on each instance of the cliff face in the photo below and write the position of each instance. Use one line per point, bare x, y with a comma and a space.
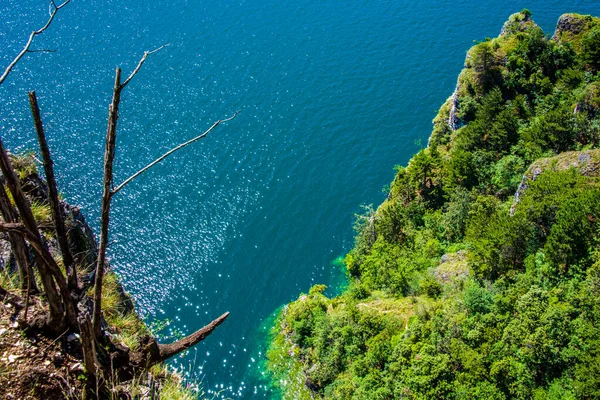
458, 287
585, 163
80, 235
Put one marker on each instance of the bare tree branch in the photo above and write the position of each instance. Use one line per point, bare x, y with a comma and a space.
47, 261
169, 350
154, 352
14, 185
109, 156
41, 51
173, 150
57, 216
136, 70
49, 270
33, 34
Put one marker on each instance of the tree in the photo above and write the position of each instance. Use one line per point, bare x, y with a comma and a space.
590, 44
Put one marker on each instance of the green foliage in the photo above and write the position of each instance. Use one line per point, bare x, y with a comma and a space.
430, 286
506, 174
456, 213
42, 213
122, 321
522, 322
477, 299
590, 45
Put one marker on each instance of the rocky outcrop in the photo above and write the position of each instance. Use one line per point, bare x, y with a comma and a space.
518, 22
452, 266
454, 120
572, 23
7, 259
80, 236
573, 27
587, 163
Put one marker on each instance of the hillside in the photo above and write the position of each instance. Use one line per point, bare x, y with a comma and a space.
38, 363
479, 276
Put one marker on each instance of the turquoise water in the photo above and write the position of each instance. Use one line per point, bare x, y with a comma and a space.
332, 95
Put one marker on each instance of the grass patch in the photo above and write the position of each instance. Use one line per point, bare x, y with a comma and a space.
42, 213
173, 389
24, 164
8, 280
126, 324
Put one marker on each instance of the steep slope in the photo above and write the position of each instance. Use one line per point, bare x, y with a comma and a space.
36, 363
452, 294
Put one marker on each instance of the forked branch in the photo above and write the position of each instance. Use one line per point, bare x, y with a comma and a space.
173, 150
54, 10
142, 60
109, 157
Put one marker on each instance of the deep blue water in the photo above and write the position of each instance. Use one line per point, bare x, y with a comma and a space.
332, 95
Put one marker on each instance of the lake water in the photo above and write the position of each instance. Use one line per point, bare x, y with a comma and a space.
332, 95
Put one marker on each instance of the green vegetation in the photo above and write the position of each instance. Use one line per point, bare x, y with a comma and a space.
458, 290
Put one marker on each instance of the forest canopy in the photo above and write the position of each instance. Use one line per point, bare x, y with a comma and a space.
478, 277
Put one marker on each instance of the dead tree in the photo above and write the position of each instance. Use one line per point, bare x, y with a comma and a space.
57, 215
108, 191
65, 311
109, 156
17, 243
62, 307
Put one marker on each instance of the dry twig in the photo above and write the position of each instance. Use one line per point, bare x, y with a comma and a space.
173, 150
33, 34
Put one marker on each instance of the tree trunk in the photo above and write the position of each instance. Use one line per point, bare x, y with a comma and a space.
49, 272
109, 156
57, 216
88, 346
154, 353
17, 243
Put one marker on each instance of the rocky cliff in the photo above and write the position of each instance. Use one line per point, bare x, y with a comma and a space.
460, 288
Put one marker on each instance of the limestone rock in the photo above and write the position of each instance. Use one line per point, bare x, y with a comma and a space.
587, 163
